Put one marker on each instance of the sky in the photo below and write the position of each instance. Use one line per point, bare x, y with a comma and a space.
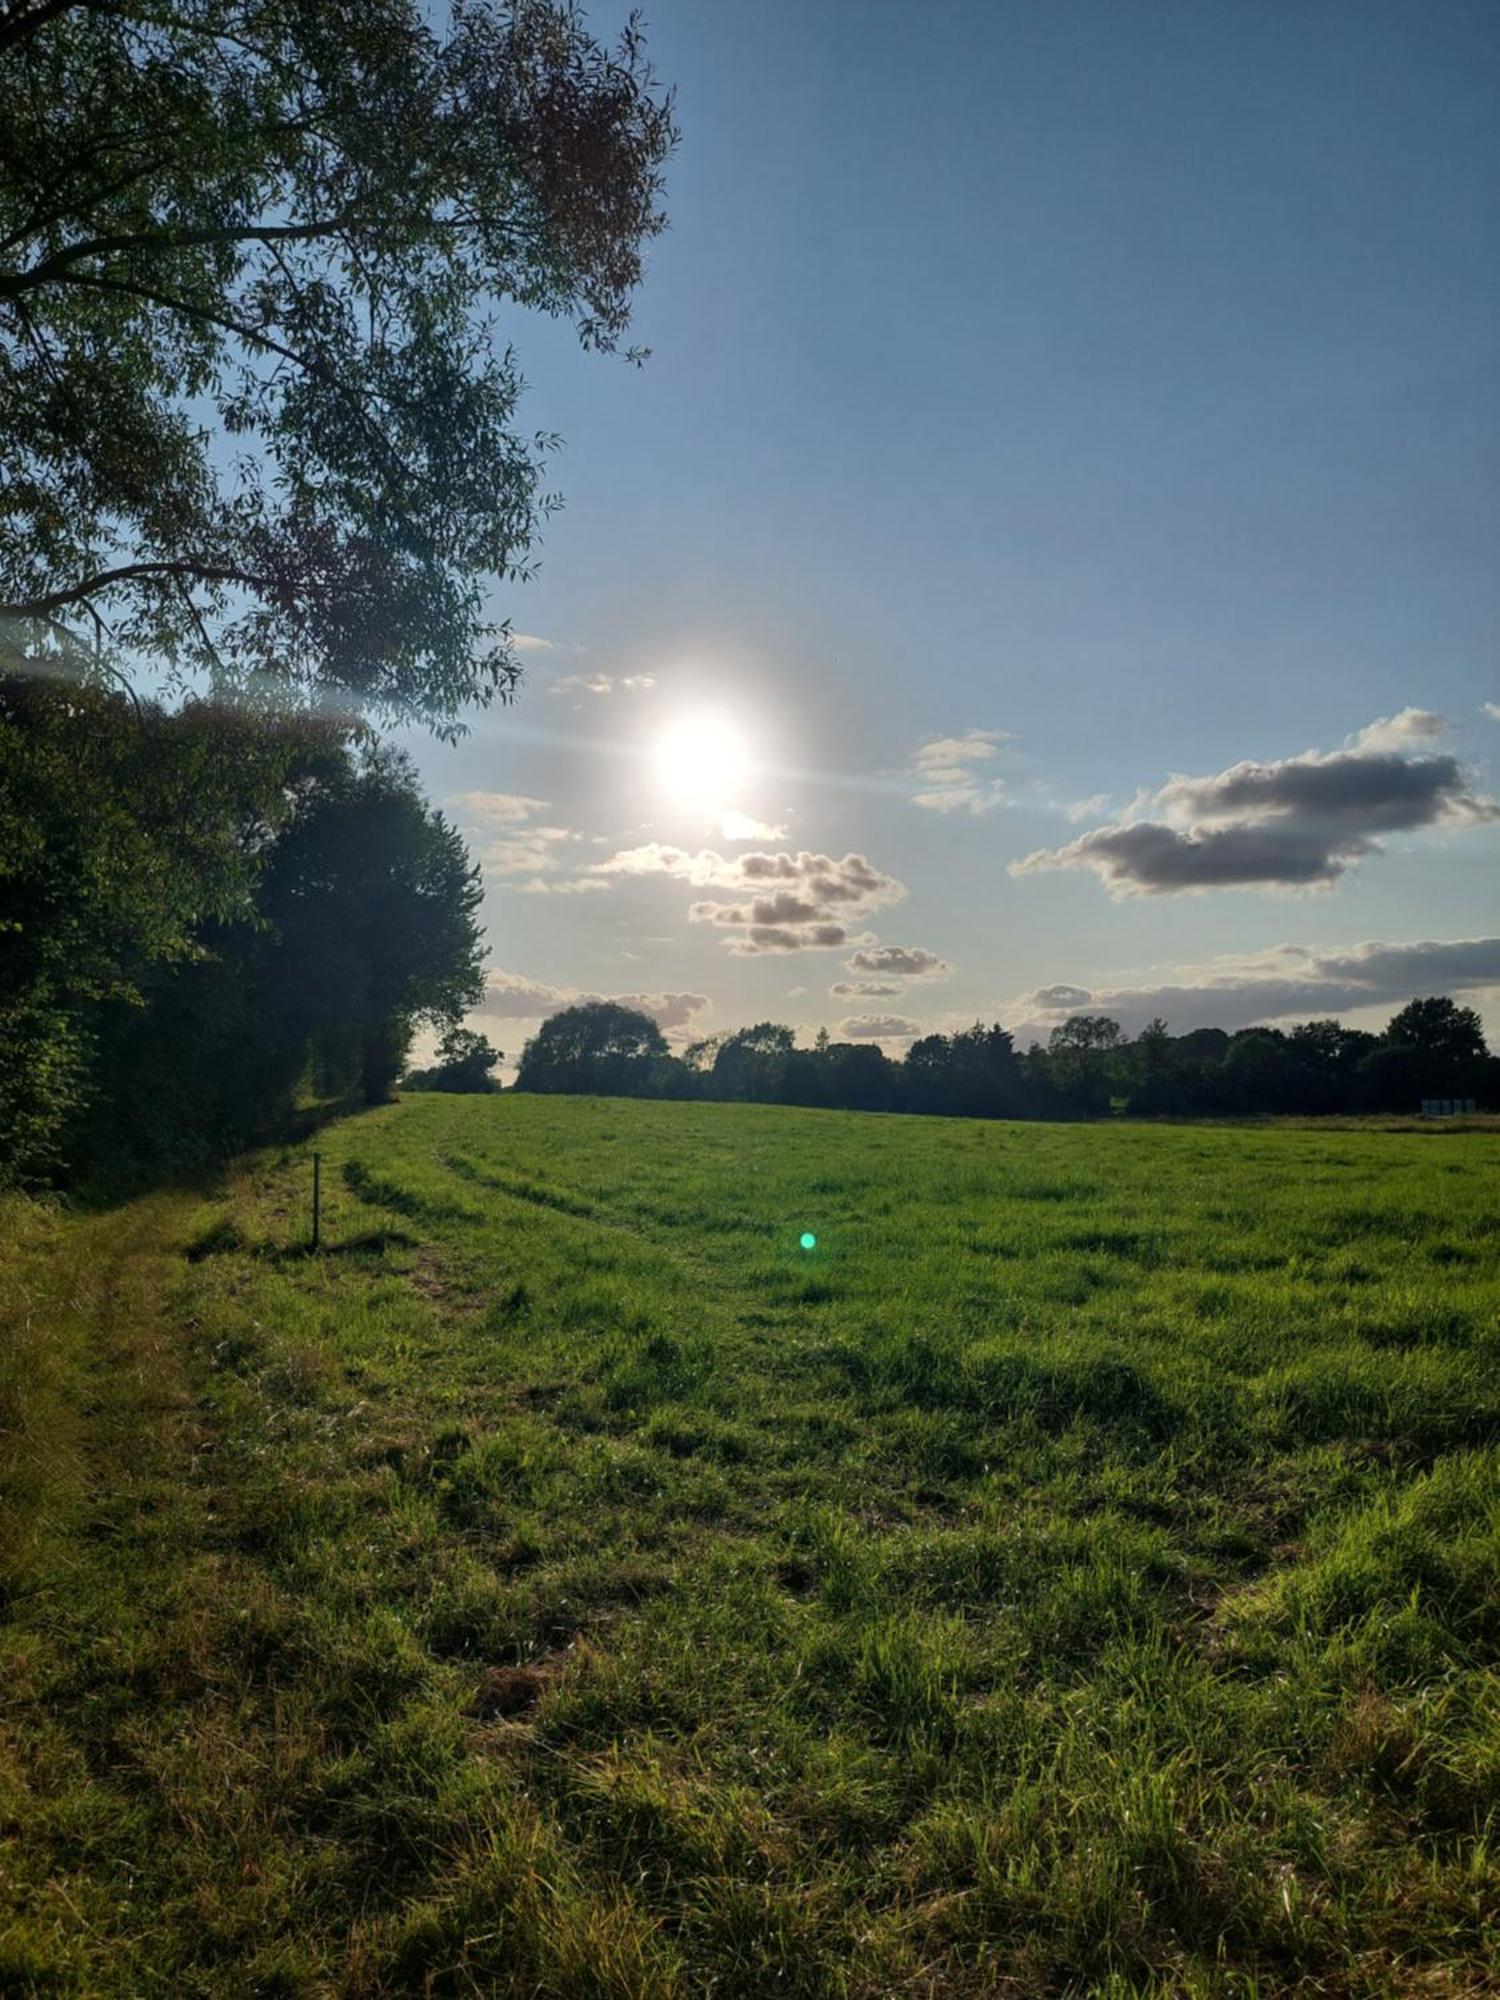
1049, 560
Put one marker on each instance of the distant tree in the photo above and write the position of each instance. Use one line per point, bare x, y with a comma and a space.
1326, 1057
858, 1076
598, 1047
1083, 1060
1258, 1073
464, 1062
297, 222
1439, 1030
752, 1063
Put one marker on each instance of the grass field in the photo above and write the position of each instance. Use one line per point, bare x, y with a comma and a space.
1078, 1574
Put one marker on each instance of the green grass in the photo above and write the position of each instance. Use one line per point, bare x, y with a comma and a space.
1080, 1574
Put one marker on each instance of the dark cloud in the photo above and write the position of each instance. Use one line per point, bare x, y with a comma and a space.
1298, 823
900, 961
1288, 982
879, 1028
790, 902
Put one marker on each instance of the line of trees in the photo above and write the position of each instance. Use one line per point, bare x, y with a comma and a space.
205, 917
1088, 1068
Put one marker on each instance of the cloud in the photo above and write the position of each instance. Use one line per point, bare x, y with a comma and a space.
900, 961
863, 989
788, 902
528, 642
740, 826
511, 996
507, 841
1491, 709
947, 769
496, 808
1296, 823
1400, 731
879, 1028
602, 683
1093, 807
1286, 982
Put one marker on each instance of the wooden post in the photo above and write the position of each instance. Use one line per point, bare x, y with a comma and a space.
317, 1199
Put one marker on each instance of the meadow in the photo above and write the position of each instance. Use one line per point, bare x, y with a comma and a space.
1079, 1573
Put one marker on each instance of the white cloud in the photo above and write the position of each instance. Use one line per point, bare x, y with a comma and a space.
1093, 807
947, 768
1409, 726
528, 642
1300, 822
740, 826
864, 989
601, 684
1491, 709
496, 808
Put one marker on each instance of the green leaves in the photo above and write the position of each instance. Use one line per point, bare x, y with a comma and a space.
290, 227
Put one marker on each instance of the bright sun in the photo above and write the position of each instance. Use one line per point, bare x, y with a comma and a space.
701, 761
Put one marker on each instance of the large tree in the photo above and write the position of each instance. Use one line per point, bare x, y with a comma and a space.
258, 408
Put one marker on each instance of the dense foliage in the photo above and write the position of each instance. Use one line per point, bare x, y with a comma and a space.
257, 415
1430, 1049
200, 913
465, 1064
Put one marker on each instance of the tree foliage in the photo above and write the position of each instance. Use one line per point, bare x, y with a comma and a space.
259, 418
200, 912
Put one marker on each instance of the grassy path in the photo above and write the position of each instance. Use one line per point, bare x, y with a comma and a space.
1082, 1577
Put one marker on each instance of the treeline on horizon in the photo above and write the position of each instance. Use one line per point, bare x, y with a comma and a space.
1432, 1048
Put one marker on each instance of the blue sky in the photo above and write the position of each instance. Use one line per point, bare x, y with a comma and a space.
1119, 382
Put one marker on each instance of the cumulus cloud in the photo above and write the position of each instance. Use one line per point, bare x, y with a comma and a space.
900, 961
948, 770
879, 1028
511, 996
1300, 822
1093, 807
1286, 982
787, 902
1400, 731
863, 989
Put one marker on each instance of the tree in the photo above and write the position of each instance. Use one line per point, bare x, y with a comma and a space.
297, 220
1439, 1030
598, 1047
127, 836
752, 1062
1082, 1060
465, 1060
361, 924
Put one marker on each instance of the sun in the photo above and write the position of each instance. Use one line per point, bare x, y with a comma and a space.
701, 761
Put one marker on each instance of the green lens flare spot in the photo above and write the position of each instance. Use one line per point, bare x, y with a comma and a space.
808, 1240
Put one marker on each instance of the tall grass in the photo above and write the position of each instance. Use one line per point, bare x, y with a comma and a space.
1081, 1574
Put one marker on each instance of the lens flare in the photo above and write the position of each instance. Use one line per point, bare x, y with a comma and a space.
808, 1240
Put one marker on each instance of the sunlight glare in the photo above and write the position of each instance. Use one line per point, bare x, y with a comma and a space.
701, 761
